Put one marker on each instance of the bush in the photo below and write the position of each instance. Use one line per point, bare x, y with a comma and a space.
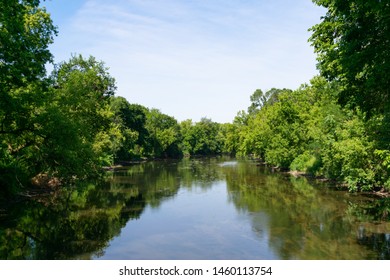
306, 162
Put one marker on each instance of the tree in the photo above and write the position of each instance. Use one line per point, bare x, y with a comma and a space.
352, 43
131, 119
258, 100
206, 138
26, 31
164, 134
186, 130
230, 137
78, 133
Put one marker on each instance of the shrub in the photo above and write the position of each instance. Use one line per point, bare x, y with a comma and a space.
306, 162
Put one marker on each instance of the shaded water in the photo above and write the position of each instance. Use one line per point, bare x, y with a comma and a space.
198, 209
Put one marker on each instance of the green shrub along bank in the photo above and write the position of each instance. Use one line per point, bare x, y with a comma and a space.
68, 124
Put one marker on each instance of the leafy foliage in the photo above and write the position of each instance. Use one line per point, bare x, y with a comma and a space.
26, 31
164, 134
352, 43
59, 124
307, 130
131, 120
80, 107
203, 138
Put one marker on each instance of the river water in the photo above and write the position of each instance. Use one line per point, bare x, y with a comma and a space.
214, 208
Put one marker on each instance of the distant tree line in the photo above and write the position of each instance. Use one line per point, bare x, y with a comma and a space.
148, 133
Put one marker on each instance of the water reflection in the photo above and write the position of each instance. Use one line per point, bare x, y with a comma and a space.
198, 209
78, 221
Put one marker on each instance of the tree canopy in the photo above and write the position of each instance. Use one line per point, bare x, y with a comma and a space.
26, 31
352, 43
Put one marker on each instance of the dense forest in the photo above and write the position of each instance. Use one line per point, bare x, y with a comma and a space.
66, 125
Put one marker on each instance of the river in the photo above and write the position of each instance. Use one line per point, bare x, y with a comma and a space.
214, 208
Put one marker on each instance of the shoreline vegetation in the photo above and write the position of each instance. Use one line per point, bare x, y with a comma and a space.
58, 128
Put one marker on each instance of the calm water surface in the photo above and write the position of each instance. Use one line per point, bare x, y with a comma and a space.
198, 209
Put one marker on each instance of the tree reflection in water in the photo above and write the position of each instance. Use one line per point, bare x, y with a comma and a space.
300, 219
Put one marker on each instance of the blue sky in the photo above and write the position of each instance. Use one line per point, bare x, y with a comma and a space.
191, 58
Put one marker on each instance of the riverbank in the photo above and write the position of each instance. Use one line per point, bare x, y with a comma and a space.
378, 191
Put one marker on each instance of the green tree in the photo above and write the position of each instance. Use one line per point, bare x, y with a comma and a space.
164, 134
352, 43
230, 138
79, 134
206, 139
131, 118
186, 130
258, 100
26, 31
